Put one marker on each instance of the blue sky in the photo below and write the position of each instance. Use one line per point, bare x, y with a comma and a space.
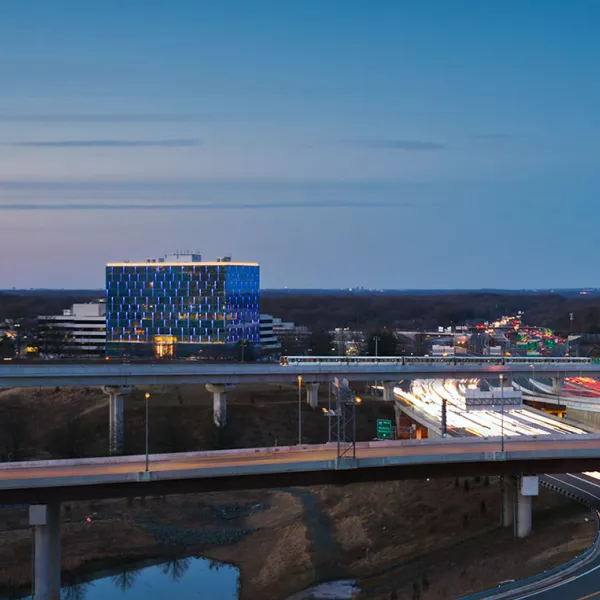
388, 144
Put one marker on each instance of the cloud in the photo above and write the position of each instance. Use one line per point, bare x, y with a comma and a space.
406, 145
64, 206
174, 143
493, 137
115, 118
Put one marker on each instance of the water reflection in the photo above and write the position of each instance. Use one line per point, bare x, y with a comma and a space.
177, 568
194, 578
126, 577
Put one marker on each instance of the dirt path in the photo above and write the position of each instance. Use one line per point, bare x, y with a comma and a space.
324, 548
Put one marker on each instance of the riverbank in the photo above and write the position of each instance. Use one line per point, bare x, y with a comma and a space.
393, 538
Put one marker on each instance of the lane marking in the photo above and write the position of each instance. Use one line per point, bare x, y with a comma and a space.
573, 486
565, 582
560, 584
589, 596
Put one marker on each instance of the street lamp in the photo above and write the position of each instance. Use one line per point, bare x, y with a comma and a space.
376, 339
299, 409
147, 397
502, 410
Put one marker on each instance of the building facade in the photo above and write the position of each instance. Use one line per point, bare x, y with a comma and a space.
181, 307
79, 331
294, 339
270, 348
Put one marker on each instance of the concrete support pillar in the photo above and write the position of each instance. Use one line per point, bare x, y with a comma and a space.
219, 403
388, 390
312, 394
508, 502
523, 516
528, 487
116, 395
556, 385
46, 520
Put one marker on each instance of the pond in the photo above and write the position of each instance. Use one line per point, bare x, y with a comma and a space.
177, 578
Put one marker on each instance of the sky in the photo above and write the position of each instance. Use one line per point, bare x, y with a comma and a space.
340, 143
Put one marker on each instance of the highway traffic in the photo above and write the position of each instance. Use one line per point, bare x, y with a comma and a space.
427, 395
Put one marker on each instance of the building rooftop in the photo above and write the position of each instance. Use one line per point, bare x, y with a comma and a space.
179, 259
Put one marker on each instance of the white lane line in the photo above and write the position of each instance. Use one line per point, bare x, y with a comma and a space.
590, 481
559, 584
573, 486
575, 577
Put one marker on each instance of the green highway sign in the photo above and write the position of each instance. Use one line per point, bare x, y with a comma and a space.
384, 429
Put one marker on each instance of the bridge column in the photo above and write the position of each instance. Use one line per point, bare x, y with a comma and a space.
528, 487
219, 403
508, 502
312, 394
116, 421
46, 520
388, 391
556, 385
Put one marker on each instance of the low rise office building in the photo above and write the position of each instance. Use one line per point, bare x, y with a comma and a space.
79, 331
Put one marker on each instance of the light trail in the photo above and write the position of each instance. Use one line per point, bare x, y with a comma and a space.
427, 396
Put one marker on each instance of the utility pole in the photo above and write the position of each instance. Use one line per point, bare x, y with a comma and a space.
444, 426
376, 339
502, 409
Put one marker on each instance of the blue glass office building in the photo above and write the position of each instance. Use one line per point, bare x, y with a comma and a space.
176, 309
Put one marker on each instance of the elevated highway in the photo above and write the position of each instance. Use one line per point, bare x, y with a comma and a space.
52, 374
46, 481
45, 484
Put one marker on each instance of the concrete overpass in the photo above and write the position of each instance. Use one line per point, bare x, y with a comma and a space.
53, 374
45, 484
116, 379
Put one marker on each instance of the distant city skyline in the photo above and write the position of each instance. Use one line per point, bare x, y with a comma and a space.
384, 144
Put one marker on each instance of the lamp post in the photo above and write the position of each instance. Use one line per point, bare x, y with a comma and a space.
502, 410
299, 409
147, 397
376, 339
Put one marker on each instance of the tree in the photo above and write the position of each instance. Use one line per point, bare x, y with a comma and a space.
7, 347
381, 342
14, 431
245, 351
69, 440
320, 343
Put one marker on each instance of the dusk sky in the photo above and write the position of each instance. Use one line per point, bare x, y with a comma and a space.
387, 144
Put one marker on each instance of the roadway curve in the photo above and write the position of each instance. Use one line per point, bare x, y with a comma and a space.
584, 582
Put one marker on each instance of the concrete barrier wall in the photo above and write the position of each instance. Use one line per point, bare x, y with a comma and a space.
305, 448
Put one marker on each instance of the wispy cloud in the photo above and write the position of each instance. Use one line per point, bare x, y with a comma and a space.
174, 143
391, 144
118, 118
493, 137
199, 206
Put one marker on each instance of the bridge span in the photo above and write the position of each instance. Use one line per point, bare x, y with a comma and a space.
54, 373
45, 484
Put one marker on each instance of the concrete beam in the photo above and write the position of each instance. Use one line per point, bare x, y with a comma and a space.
45, 518
312, 394
219, 403
116, 397
388, 390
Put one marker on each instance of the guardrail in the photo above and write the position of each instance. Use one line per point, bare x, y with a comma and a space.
554, 574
